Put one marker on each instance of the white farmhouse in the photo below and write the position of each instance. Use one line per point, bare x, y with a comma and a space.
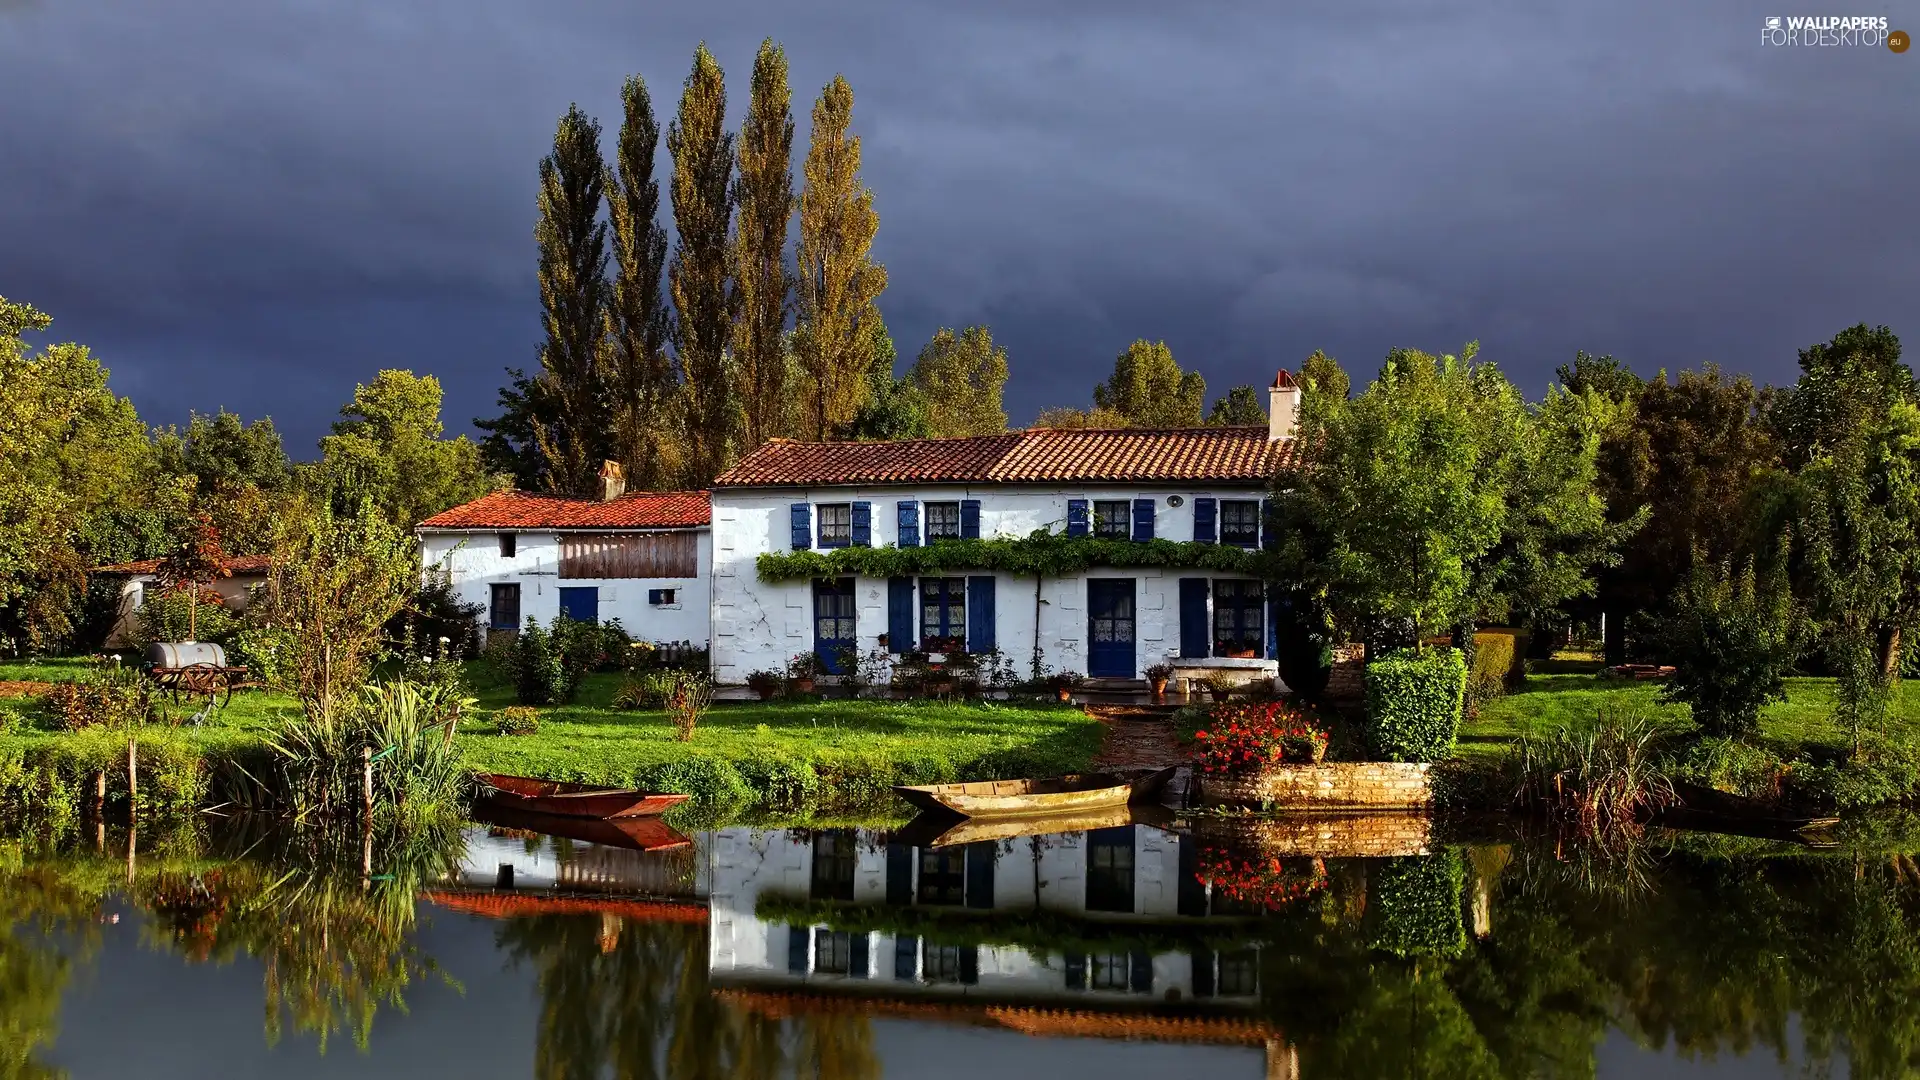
643, 558
1190, 484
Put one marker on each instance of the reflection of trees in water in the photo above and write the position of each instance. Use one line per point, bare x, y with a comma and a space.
637, 1006
1702, 956
36, 903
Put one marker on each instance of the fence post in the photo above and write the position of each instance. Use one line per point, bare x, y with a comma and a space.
133, 775
100, 795
366, 782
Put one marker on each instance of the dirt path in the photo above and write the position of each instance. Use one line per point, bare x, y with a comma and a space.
1136, 738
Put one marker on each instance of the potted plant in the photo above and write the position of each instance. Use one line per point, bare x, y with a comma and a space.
964, 669
910, 671
1064, 682
1157, 677
801, 671
764, 683
1220, 685
938, 681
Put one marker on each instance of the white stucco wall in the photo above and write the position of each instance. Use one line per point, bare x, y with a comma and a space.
746, 863
757, 625
475, 563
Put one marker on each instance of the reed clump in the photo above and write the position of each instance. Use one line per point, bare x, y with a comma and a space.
1605, 775
400, 731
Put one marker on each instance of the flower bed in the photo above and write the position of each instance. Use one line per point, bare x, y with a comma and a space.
1263, 882
1244, 739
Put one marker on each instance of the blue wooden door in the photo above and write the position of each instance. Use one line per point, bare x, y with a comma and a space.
833, 632
580, 603
1110, 628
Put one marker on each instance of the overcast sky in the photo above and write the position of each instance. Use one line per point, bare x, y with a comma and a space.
255, 205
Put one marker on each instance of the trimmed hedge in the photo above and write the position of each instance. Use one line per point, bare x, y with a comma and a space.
1415, 905
1414, 703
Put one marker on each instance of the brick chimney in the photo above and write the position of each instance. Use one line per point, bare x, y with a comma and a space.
1283, 411
613, 482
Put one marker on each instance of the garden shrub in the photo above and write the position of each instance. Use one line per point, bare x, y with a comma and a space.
436, 611
1414, 704
1243, 739
1731, 765
105, 695
1496, 657
1414, 903
267, 653
165, 617
1732, 637
518, 720
539, 669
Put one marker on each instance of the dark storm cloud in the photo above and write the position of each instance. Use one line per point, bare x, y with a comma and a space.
255, 206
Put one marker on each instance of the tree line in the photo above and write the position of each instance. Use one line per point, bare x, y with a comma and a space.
1738, 532
676, 362
87, 483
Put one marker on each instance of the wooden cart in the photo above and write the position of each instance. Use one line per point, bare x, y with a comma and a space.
212, 682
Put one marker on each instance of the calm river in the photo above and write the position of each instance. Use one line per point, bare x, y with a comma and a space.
1172, 949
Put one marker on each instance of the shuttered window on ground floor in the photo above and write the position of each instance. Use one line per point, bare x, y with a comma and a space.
630, 555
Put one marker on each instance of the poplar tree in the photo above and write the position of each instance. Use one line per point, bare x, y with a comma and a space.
1149, 389
640, 377
702, 152
569, 423
762, 285
839, 284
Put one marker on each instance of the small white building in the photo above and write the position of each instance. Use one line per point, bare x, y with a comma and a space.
138, 580
1203, 484
643, 558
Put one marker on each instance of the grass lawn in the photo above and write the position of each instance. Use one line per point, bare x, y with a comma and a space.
1803, 721
819, 755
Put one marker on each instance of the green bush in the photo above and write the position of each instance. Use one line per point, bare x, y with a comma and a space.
1414, 703
1496, 660
1414, 903
267, 654
1732, 637
539, 669
518, 720
165, 617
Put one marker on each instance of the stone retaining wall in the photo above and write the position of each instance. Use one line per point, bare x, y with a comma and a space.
1345, 785
1343, 836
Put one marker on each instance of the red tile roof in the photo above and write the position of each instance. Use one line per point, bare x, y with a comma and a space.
525, 510
1039, 455
239, 564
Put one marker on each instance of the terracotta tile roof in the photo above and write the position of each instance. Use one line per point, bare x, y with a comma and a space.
239, 564
1039, 455
525, 510
1028, 1019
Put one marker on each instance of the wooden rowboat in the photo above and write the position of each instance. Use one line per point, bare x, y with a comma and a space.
1026, 798
1709, 809
633, 833
943, 828
561, 799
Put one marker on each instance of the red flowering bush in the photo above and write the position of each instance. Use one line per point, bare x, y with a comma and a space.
1267, 882
1247, 738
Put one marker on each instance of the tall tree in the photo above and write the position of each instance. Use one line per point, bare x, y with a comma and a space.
1149, 389
961, 376
839, 284
639, 375
1320, 373
1689, 450
895, 408
571, 428
702, 153
387, 449
1241, 406
762, 284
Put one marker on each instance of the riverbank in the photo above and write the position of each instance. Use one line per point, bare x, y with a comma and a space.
813, 755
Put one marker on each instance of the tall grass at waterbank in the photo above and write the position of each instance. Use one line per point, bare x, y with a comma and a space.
1601, 775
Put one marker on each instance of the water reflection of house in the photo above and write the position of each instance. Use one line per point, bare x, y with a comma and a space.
512, 859
1109, 916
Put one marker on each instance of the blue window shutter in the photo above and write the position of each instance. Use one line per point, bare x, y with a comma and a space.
1076, 964
1273, 623
1202, 969
862, 524
1143, 519
970, 519
799, 949
1194, 638
981, 855
857, 955
1269, 536
969, 964
900, 637
1203, 519
979, 614
1141, 973
1077, 517
802, 526
900, 876
909, 510
906, 957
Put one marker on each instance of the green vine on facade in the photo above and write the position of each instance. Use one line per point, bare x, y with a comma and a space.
1041, 553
